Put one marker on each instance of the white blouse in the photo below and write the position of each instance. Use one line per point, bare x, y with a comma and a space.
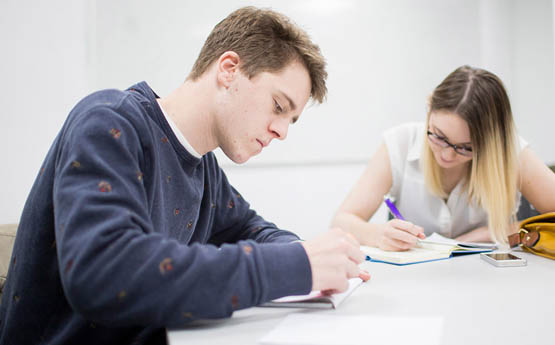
413, 199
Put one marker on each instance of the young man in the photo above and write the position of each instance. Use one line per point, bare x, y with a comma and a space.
131, 226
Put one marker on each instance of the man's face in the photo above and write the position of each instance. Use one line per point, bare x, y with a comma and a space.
255, 111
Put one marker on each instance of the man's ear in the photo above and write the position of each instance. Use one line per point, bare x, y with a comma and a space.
227, 68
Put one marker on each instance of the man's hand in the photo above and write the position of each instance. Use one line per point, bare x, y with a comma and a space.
334, 258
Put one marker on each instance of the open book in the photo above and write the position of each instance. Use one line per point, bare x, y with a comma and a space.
315, 299
434, 247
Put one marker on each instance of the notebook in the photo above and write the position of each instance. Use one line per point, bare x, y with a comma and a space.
434, 247
328, 329
315, 299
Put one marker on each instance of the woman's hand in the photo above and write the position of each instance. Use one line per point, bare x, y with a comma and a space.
399, 235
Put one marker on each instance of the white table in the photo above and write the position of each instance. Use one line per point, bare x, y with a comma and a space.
479, 303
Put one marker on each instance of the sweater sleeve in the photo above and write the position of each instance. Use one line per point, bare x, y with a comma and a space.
116, 270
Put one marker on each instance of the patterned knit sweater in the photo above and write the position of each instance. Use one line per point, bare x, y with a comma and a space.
126, 233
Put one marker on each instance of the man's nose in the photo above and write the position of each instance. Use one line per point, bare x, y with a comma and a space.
279, 128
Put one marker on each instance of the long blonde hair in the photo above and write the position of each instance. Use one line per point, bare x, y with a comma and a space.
479, 97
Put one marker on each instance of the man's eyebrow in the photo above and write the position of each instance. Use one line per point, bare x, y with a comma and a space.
292, 105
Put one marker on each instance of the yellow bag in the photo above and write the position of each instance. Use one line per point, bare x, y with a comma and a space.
536, 235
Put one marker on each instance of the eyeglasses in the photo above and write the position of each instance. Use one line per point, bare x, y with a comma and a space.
442, 142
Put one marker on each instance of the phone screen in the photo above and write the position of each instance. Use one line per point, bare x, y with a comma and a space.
503, 256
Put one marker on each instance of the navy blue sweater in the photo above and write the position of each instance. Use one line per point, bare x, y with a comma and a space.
125, 233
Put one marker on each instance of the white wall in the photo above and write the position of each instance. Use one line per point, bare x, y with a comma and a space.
44, 71
533, 88
384, 58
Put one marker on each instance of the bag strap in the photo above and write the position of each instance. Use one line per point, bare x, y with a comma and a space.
529, 238
525, 238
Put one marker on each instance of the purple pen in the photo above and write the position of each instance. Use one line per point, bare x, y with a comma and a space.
394, 211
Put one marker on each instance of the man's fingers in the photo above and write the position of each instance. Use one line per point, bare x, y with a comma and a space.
347, 236
364, 275
329, 292
342, 286
352, 239
334, 258
355, 254
352, 246
352, 270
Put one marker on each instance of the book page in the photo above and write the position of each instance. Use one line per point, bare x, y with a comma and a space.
439, 239
299, 298
436, 238
416, 254
315, 298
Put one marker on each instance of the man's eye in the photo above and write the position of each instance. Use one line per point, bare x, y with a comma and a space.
278, 109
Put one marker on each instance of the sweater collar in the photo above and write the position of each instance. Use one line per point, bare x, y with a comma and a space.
156, 113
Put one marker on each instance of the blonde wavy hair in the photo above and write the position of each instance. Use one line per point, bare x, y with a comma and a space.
479, 98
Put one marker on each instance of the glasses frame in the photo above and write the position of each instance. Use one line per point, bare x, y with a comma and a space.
443, 143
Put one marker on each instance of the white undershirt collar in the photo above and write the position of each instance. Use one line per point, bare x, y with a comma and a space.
179, 135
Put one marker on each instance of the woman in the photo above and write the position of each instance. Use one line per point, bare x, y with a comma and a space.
460, 174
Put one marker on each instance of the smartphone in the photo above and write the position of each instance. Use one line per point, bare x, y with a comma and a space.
503, 259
